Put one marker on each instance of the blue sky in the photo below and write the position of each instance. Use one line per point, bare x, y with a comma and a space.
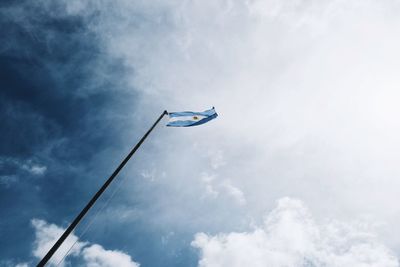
299, 169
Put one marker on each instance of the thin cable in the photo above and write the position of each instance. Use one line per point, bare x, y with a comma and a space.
93, 219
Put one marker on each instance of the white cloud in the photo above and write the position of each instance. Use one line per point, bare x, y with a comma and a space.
91, 256
46, 235
217, 159
207, 180
291, 237
14, 169
34, 168
97, 256
214, 187
234, 192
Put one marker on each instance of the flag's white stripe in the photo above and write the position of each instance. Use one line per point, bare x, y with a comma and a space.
187, 118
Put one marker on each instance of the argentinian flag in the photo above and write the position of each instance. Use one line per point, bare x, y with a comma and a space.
189, 118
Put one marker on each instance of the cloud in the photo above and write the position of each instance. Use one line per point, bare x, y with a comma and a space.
35, 169
13, 169
97, 256
7, 180
47, 117
91, 255
214, 188
235, 192
291, 237
46, 235
8, 263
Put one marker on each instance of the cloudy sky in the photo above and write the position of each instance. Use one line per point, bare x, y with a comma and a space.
299, 169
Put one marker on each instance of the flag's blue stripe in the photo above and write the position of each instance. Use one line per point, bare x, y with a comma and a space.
209, 112
180, 123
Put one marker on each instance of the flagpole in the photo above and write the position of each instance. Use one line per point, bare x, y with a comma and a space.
96, 196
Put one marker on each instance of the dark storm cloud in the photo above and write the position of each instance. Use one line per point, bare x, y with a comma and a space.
64, 127
49, 116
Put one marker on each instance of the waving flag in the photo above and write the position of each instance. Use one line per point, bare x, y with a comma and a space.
189, 118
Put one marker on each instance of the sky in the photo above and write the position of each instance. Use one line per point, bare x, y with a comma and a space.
299, 169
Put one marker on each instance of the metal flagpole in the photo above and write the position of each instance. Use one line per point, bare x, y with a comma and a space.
96, 196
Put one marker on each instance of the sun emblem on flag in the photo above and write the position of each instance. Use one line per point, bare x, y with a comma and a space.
195, 118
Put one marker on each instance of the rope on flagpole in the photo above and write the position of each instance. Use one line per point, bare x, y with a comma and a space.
91, 202
93, 219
